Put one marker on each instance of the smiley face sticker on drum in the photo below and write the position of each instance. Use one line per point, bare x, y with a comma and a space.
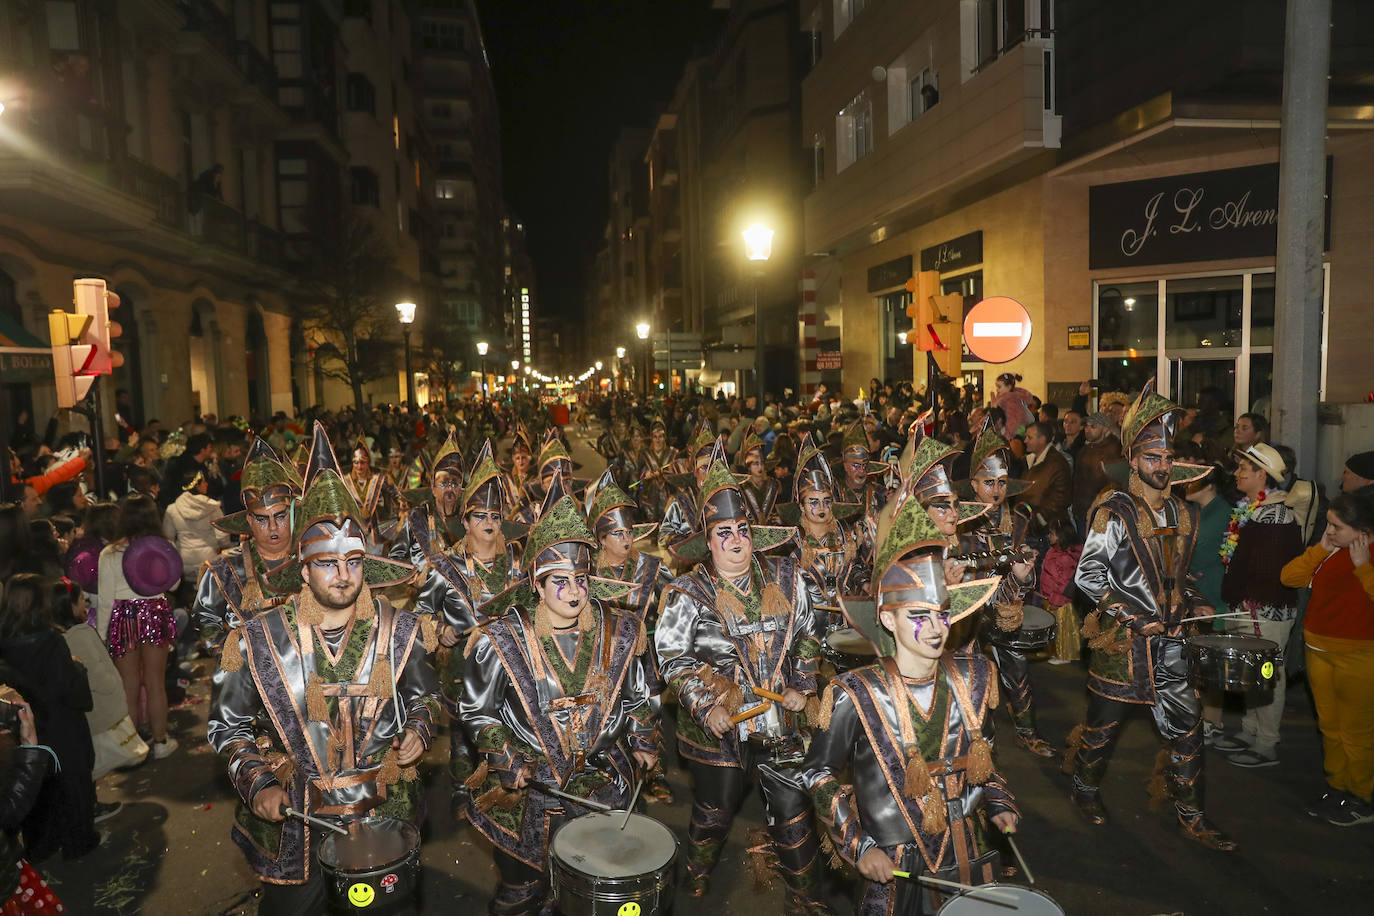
361, 895
629, 909
1267, 670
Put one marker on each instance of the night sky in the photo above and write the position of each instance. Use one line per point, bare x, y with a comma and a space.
568, 75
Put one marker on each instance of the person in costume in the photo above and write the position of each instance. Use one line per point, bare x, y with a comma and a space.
925, 466
554, 462
861, 482
655, 464
680, 518
379, 498
556, 694
331, 702
521, 465
434, 522
395, 467
828, 546
460, 581
235, 586
1134, 567
740, 623
610, 516
900, 766
760, 488
1001, 529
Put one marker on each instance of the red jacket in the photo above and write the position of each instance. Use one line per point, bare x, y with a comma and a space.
60, 473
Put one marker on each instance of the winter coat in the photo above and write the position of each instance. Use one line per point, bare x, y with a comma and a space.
188, 525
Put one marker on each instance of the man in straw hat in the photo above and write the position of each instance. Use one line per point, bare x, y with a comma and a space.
556, 695
1134, 566
913, 731
738, 626
1001, 529
331, 703
235, 586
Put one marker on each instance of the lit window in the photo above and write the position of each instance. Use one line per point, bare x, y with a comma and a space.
853, 131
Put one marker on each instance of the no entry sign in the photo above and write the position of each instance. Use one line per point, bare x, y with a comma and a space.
997, 330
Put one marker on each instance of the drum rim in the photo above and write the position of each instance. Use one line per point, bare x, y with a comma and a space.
635, 817
1235, 640
1002, 885
328, 843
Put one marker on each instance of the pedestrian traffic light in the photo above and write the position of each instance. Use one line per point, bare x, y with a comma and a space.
70, 358
93, 299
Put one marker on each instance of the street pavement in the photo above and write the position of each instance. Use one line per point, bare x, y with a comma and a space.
169, 852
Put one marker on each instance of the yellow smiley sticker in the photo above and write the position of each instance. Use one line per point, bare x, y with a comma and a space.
629, 909
361, 895
1267, 669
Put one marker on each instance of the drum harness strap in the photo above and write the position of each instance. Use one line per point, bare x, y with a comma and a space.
752, 638
576, 740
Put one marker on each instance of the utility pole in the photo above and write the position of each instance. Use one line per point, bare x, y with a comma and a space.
1302, 209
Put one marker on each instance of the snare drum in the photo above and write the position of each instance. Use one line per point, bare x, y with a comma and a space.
375, 869
848, 649
998, 899
1037, 631
1229, 661
596, 868
775, 734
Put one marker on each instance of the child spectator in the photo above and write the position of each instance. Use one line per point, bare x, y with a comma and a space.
1056, 578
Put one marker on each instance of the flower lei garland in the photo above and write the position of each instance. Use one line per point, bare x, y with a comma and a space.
1240, 516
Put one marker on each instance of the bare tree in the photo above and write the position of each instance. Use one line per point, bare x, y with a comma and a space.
439, 358
349, 289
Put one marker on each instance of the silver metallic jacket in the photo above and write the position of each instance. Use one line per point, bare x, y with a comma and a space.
227, 595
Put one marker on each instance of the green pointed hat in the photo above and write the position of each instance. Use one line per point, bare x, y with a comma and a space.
609, 508
722, 500
1151, 422
560, 539
486, 484
926, 467
855, 445
908, 573
266, 481
751, 443
702, 442
813, 471
332, 524
450, 455
991, 455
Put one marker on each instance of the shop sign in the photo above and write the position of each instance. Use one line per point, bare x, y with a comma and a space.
956, 254
889, 274
829, 360
1080, 337
1201, 216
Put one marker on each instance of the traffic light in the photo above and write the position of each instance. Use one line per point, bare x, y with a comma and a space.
70, 358
950, 331
93, 299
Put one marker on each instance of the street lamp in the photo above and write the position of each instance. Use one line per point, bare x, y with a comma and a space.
642, 332
758, 247
482, 347
405, 311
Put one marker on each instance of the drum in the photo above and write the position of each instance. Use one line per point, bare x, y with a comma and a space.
775, 734
1037, 631
848, 649
1001, 900
1229, 661
596, 868
375, 869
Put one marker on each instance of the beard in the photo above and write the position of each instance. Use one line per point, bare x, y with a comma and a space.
337, 598
1155, 480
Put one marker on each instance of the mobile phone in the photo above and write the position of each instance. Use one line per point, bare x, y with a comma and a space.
9, 717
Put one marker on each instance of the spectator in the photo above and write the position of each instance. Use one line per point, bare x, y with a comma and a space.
45, 550
1249, 429
16, 541
1259, 541
66, 498
1338, 629
1051, 491
1358, 473
1212, 495
180, 469
22, 887
1101, 447
1056, 585
188, 524
1073, 434
68, 469
57, 687
145, 481
137, 629
1015, 403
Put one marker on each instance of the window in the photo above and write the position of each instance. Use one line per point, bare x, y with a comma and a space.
366, 188
922, 94
64, 32
853, 131
292, 194
817, 160
446, 152
997, 26
445, 190
441, 36
845, 11
360, 95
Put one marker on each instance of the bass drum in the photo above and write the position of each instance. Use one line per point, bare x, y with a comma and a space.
595, 867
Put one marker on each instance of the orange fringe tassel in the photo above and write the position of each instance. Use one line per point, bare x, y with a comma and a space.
1158, 784
774, 601
390, 772
479, 776
231, 654
1071, 750
979, 768
429, 633
379, 680
315, 707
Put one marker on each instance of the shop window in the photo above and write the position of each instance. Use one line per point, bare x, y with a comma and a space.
895, 328
1128, 317
1124, 373
1203, 312
1261, 313
1261, 380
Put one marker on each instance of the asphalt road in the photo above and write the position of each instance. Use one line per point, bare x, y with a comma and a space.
169, 852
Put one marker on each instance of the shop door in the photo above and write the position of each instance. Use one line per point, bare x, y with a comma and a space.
1207, 382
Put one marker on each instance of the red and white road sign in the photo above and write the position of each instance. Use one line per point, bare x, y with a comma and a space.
997, 330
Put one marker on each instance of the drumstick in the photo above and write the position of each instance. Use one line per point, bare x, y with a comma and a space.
1017, 852
758, 710
292, 812
630, 808
971, 889
768, 694
586, 802
1216, 616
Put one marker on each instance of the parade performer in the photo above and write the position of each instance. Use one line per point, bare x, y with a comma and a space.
331, 703
926, 467
554, 461
396, 468
380, 499
556, 694
829, 547
434, 523
235, 586
861, 483
1000, 529
655, 464
683, 509
900, 767
738, 624
1134, 566
760, 488
521, 469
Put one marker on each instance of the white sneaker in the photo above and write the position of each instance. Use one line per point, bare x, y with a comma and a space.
1061, 661
164, 748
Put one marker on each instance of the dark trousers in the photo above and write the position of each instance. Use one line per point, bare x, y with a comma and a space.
1013, 677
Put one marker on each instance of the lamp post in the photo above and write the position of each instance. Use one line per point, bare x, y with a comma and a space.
642, 331
405, 311
619, 364
482, 347
758, 247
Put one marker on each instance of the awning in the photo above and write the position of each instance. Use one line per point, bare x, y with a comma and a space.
23, 357
15, 335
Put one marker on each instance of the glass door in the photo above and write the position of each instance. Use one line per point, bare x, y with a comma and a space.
1207, 383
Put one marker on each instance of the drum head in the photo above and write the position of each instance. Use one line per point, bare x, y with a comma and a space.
595, 845
372, 842
1001, 898
1235, 643
1035, 618
850, 642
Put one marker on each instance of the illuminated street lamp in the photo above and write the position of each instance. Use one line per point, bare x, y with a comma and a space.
758, 247
405, 311
482, 347
642, 332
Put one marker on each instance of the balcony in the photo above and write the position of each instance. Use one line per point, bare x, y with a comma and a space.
228, 229
213, 56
